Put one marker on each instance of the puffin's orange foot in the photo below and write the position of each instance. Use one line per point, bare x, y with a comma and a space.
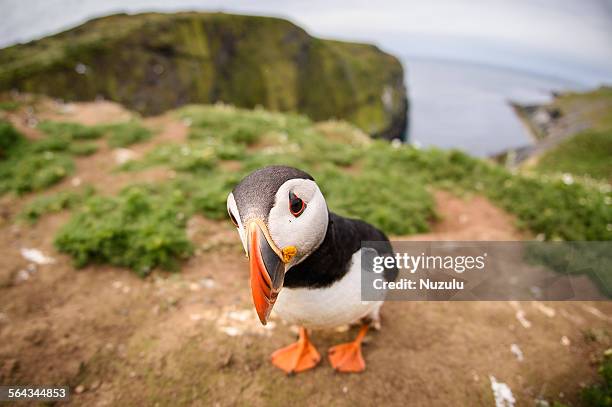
298, 356
347, 357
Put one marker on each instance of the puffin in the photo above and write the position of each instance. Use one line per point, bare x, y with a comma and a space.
305, 262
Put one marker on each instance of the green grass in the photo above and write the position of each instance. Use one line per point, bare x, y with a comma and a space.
191, 157
70, 130
592, 259
27, 166
600, 394
32, 165
141, 228
144, 226
57, 202
83, 149
9, 138
118, 134
126, 134
586, 154
9, 105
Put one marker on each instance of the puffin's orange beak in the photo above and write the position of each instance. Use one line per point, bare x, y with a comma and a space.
267, 269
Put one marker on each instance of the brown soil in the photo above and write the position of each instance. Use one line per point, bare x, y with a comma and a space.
193, 339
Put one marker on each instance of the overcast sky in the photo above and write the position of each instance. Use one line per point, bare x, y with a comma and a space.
566, 38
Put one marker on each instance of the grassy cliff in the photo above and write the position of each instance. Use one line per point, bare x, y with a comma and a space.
587, 152
155, 62
572, 134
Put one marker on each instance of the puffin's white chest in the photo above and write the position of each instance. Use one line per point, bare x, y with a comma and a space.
327, 307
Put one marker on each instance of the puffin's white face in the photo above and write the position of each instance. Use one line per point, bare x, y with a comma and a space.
278, 229
302, 225
298, 218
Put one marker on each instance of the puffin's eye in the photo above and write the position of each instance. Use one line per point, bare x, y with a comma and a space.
296, 205
231, 215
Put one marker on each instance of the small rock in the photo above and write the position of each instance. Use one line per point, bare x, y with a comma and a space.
565, 341
207, 283
345, 390
79, 389
231, 331
520, 316
132, 374
514, 348
96, 384
123, 155
342, 328
36, 256
80, 68
22, 275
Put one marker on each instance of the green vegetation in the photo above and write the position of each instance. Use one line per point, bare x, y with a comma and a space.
213, 57
141, 228
118, 134
600, 395
9, 105
83, 148
70, 131
29, 166
552, 207
390, 187
9, 138
57, 202
590, 258
586, 154
126, 134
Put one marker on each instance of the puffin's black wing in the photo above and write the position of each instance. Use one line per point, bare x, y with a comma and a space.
330, 262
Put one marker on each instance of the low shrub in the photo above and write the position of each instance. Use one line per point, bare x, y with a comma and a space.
70, 130
83, 149
126, 134
9, 138
143, 227
57, 202
600, 394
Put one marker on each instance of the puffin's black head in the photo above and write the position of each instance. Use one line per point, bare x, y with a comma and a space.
282, 218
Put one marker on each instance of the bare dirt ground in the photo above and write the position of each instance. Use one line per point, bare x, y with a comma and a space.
193, 339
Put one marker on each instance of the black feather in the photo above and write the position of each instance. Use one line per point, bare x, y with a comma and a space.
332, 259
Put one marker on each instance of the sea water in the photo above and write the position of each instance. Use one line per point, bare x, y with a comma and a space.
466, 106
